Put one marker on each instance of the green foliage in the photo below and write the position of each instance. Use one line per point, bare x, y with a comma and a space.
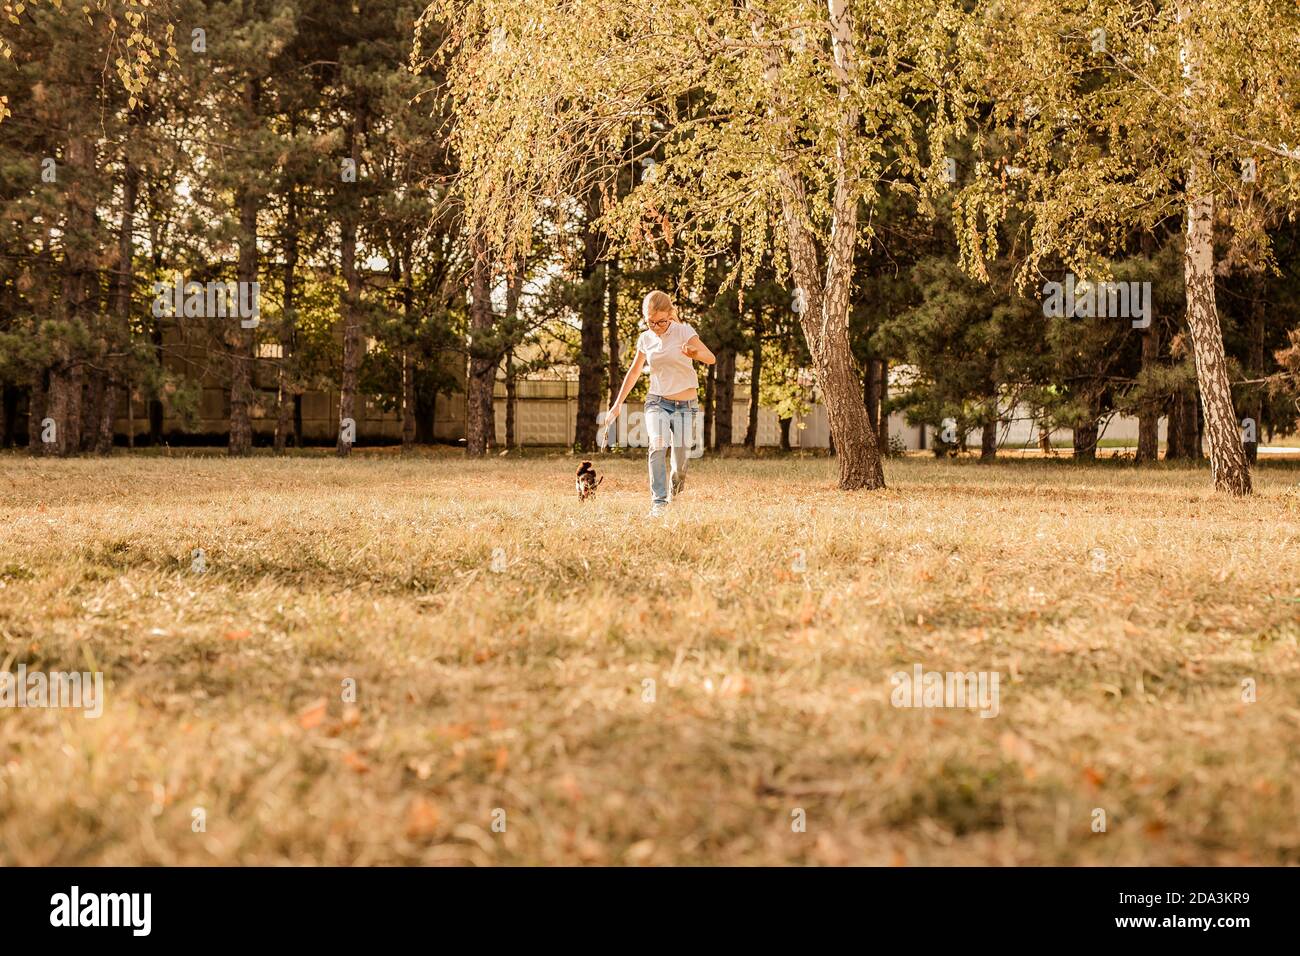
672, 134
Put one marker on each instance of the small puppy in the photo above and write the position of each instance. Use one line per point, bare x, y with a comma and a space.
587, 482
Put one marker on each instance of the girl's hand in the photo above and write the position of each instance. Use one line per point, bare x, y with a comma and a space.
690, 351
611, 414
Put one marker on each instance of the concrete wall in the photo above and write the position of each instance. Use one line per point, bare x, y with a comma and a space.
1022, 432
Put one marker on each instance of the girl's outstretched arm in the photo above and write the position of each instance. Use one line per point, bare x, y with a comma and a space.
695, 349
628, 381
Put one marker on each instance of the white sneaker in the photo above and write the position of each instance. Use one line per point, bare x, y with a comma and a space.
657, 510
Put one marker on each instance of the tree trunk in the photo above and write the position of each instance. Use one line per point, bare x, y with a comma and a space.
825, 326
408, 402
76, 391
1181, 438
129, 394
350, 302
511, 334
425, 410
591, 366
67, 375
710, 396
408, 358
57, 410
284, 390
108, 418
871, 394
153, 405
1085, 440
64, 406
488, 395
990, 421
1148, 448
95, 408
37, 411
92, 408
9, 415
611, 328
511, 441
154, 410
123, 285
825, 316
1227, 458
882, 423
989, 433
785, 433
156, 419
1198, 441
238, 338
482, 366
725, 402
1254, 402
755, 379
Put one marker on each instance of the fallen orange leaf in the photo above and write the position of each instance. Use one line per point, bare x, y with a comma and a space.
313, 715
355, 762
569, 786
421, 819
733, 685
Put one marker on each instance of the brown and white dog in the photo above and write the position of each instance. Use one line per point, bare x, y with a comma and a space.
587, 482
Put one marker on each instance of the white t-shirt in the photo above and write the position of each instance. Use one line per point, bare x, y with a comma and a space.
671, 372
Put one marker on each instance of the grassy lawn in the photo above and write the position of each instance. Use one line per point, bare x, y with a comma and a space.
1121, 608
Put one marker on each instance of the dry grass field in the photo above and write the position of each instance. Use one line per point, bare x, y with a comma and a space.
1127, 614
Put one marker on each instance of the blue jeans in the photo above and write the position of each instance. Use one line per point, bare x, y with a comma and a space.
668, 424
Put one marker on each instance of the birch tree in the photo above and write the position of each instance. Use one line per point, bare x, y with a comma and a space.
1103, 116
782, 121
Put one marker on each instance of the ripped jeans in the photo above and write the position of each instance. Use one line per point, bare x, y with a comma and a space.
668, 424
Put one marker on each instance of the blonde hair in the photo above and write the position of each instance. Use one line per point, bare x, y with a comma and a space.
656, 302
